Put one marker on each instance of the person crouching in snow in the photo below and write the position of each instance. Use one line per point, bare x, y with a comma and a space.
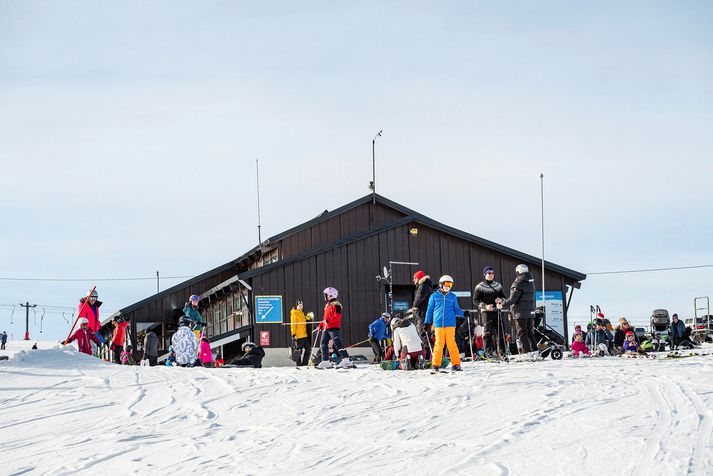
578, 346
206, 355
252, 356
442, 311
407, 344
330, 326
84, 337
185, 343
603, 338
378, 332
127, 358
631, 347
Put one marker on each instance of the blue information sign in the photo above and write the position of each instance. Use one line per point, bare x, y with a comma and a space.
268, 309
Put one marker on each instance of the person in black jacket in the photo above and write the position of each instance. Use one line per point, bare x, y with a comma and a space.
424, 289
252, 357
522, 307
485, 297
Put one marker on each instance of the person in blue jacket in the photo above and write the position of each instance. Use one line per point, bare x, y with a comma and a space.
378, 333
442, 311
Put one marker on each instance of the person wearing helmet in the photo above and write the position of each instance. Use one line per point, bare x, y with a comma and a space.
378, 333
407, 344
631, 347
424, 289
90, 311
300, 337
485, 297
330, 326
84, 336
522, 307
252, 356
190, 310
442, 312
185, 343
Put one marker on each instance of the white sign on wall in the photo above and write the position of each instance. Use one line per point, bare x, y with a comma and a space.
554, 309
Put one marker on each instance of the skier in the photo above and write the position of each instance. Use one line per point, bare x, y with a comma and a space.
378, 333
252, 356
522, 307
190, 311
407, 344
442, 311
185, 343
485, 297
300, 336
330, 326
151, 348
579, 346
127, 358
3, 340
91, 310
424, 289
119, 338
84, 336
206, 354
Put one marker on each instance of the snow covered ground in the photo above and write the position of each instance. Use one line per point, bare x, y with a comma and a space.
67, 413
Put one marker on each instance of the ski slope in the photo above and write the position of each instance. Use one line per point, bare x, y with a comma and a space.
65, 413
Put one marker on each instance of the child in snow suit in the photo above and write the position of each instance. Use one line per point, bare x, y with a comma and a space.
330, 326
171, 359
127, 357
631, 347
84, 337
206, 355
407, 344
442, 311
578, 346
378, 332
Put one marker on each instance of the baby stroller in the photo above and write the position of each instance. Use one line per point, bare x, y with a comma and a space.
660, 323
549, 341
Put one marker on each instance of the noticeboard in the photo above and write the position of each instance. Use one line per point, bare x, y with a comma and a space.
554, 309
268, 309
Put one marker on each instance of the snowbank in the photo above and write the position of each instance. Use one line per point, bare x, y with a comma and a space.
618, 416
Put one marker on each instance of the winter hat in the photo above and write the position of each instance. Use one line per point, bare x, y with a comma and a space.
297, 303
578, 332
419, 275
578, 328
674, 315
488, 269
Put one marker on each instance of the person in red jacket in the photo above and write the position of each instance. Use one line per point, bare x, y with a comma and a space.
119, 338
91, 310
330, 327
83, 336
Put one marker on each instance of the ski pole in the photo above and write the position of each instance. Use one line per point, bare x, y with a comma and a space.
470, 340
78, 315
307, 323
358, 343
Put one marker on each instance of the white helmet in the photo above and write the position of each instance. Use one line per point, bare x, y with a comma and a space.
83, 320
330, 293
521, 268
395, 322
445, 278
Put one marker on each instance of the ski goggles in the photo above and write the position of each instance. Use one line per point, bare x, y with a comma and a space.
447, 283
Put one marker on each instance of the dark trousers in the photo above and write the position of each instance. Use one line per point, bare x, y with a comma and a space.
2, 346
378, 350
526, 334
152, 360
117, 350
493, 337
332, 334
305, 346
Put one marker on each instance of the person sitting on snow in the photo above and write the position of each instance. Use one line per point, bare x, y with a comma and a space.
252, 356
185, 343
378, 333
578, 346
171, 359
84, 337
631, 347
603, 338
407, 344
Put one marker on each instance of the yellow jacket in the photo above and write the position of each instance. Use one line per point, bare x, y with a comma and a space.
298, 323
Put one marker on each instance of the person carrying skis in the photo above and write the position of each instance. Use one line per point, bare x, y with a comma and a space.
485, 297
252, 356
330, 326
441, 312
84, 336
118, 338
300, 337
522, 306
424, 289
407, 344
90, 311
185, 343
378, 333
191, 312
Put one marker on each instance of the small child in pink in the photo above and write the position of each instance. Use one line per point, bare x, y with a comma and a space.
579, 346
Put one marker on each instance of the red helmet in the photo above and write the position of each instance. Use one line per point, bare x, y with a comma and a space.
629, 333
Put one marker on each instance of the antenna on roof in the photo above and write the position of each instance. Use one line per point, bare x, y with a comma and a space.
257, 174
372, 184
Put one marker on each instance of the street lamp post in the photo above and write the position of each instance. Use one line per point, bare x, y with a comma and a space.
542, 213
372, 185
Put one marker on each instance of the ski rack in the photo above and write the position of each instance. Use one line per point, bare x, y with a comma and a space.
702, 334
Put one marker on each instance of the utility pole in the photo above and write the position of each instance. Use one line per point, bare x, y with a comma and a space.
157, 283
542, 214
257, 177
27, 307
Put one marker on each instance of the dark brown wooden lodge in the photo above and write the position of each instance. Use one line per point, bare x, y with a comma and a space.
345, 248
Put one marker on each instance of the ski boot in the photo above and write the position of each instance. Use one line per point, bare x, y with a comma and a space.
456, 368
345, 363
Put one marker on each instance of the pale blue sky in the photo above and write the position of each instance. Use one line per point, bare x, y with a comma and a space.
129, 131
